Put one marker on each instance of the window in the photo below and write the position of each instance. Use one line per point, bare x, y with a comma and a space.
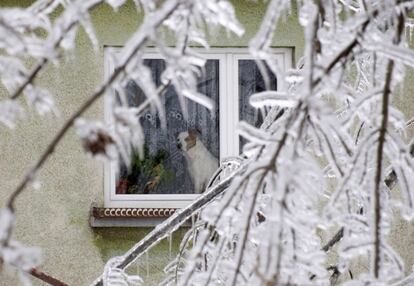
169, 174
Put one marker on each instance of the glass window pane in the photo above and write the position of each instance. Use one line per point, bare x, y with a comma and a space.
164, 169
251, 81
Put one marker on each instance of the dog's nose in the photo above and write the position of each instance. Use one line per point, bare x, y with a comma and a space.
179, 145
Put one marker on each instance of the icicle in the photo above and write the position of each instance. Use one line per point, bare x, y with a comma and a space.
147, 263
193, 222
170, 246
138, 266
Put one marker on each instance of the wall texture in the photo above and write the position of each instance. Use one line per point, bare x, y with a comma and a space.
55, 217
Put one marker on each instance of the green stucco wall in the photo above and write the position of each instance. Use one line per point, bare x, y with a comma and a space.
55, 217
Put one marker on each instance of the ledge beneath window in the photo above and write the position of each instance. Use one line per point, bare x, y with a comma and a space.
128, 217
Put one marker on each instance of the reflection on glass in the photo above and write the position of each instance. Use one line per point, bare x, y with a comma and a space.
166, 168
251, 81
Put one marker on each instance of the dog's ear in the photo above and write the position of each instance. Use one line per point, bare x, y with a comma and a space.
193, 133
191, 139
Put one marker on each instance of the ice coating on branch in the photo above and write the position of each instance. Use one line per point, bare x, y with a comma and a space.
41, 100
21, 256
129, 131
116, 3
45, 7
6, 224
220, 13
10, 112
254, 134
14, 253
114, 276
12, 72
272, 98
183, 72
96, 139
66, 27
14, 23
262, 40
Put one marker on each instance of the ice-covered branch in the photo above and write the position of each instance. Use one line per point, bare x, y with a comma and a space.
140, 38
407, 281
376, 197
171, 224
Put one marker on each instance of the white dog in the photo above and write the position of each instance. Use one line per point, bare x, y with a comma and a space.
201, 163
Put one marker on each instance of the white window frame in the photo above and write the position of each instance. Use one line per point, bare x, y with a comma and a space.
228, 120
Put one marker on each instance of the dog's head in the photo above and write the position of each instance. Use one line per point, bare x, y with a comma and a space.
187, 140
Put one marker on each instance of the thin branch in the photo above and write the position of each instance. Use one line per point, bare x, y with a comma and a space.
272, 167
215, 263
40, 7
334, 276
359, 132
30, 78
280, 237
407, 281
346, 51
337, 237
240, 188
409, 122
390, 181
142, 36
380, 153
46, 277
246, 232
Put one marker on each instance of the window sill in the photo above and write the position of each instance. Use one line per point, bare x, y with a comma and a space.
128, 217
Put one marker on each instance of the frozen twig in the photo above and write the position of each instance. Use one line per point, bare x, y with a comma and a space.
407, 281
376, 198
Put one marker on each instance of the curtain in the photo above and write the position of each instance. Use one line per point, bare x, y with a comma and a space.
251, 81
164, 167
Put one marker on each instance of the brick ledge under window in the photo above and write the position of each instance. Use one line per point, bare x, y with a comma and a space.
128, 217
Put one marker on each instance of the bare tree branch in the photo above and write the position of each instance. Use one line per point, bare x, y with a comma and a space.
380, 150
46, 277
